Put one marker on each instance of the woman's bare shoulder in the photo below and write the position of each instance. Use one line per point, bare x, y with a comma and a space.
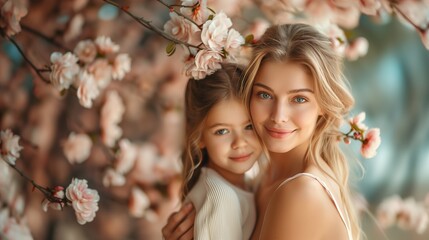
294, 206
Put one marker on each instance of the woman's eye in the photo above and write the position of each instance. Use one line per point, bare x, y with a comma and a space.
249, 127
264, 95
300, 99
222, 131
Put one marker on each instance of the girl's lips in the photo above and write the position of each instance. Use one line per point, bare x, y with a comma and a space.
278, 133
241, 158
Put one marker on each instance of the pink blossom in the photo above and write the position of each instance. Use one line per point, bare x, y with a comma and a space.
371, 143
258, 27
126, 156
215, 32
105, 45
102, 72
205, 63
58, 192
9, 146
64, 69
84, 200
388, 210
111, 116
113, 178
74, 28
199, 14
88, 89
77, 147
138, 203
369, 7
181, 29
358, 121
413, 216
233, 41
336, 35
145, 164
121, 66
11, 13
11, 229
357, 48
86, 51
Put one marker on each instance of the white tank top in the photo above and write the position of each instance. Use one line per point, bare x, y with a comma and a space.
344, 217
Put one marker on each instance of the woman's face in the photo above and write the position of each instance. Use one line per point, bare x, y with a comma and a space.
283, 105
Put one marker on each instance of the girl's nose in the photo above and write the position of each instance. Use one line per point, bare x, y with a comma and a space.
239, 141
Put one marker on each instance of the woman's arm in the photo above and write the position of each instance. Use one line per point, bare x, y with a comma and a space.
180, 225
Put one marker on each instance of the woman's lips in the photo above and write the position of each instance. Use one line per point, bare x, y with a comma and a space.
278, 133
241, 158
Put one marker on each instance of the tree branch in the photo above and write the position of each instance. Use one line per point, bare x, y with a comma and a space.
38, 71
149, 26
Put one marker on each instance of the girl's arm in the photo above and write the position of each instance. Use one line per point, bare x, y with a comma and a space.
180, 225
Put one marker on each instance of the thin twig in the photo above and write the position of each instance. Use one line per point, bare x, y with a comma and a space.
151, 27
44, 190
38, 71
179, 13
398, 10
41, 35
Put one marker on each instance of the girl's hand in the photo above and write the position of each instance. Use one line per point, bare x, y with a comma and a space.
180, 225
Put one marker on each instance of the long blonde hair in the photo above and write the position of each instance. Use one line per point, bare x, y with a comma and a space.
200, 97
302, 44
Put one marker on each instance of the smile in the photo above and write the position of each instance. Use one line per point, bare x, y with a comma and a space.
241, 158
279, 133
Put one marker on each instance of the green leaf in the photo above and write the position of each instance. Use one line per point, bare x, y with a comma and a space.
210, 17
63, 92
171, 48
249, 39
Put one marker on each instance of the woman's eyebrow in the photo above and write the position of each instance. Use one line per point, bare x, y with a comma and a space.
291, 91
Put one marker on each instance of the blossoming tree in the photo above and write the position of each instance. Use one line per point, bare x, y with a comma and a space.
92, 92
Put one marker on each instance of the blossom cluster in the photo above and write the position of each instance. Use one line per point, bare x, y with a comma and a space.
334, 18
209, 34
77, 194
91, 67
407, 214
83, 200
10, 15
370, 138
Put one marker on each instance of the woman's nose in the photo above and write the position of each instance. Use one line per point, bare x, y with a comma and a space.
280, 112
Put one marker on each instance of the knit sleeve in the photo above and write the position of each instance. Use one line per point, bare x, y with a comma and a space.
220, 214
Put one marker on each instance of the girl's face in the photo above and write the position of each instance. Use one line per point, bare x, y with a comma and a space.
228, 136
283, 105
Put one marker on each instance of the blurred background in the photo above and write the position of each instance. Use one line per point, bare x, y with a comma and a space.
127, 143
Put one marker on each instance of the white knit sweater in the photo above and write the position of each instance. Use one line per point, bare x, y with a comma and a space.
224, 211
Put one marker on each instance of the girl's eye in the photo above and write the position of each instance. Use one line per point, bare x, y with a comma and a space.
222, 131
264, 95
249, 127
300, 99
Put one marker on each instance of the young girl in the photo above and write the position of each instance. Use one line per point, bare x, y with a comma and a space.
220, 147
297, 97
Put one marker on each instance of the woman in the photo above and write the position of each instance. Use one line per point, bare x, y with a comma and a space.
297, 97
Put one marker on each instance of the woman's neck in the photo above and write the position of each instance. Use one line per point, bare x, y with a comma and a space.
285, 165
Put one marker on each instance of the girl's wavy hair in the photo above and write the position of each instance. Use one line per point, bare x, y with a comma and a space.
303, 44
200, 97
